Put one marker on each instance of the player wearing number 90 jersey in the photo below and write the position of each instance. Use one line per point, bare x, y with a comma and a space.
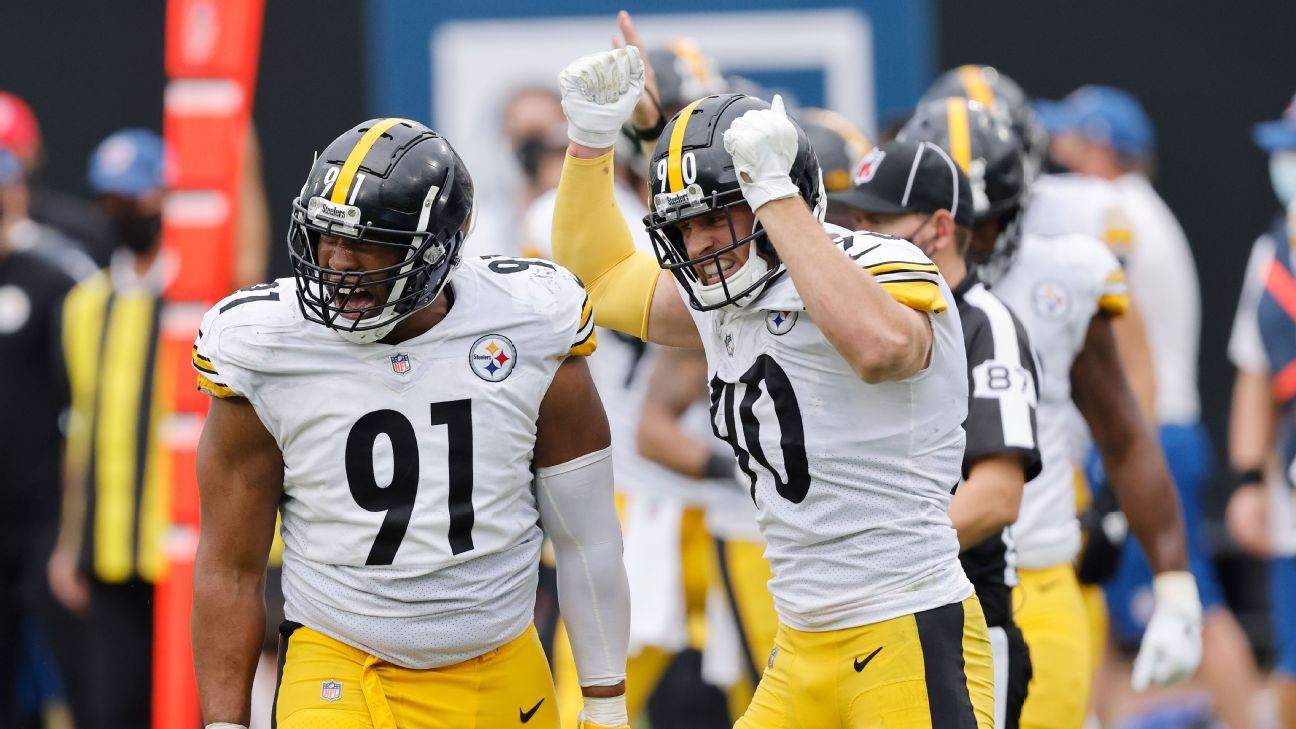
420, 435
837, 375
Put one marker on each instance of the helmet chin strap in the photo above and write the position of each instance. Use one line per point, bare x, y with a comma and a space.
746, 275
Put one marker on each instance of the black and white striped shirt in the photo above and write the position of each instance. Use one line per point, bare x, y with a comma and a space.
1003, 390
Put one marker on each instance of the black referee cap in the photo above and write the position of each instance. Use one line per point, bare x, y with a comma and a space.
909, 177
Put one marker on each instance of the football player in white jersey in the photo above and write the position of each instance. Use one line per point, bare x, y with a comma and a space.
917, 192
414, 417
837, 376
1064, 290
1105, 138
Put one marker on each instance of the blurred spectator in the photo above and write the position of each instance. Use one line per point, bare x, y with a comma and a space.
1104, 132
115, 507
33, 397
528, 120
43, 241
1262, 429
70, 215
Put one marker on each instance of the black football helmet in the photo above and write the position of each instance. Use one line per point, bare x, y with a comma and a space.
386, 182
692, 176
985, 146
999, 93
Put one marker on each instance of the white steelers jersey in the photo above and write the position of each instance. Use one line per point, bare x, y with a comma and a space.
1055, 286
851, 481
409, 522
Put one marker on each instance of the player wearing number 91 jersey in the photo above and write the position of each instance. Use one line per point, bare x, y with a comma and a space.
422, 416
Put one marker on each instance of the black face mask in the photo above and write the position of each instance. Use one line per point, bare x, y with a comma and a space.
136, 233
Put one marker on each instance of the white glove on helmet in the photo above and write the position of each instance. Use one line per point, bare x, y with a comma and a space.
1172, 645
763, 143
599, 92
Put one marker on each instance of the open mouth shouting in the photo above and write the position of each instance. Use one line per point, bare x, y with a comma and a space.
714, 271
356, 302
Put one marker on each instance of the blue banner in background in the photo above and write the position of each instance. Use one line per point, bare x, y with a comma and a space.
406, 69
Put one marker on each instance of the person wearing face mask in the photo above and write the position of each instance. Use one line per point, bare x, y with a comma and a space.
1261, 513
916, 191
109, 550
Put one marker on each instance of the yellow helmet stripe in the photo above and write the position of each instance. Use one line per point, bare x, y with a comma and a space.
347, 175
975, 84
674, 169
960, 135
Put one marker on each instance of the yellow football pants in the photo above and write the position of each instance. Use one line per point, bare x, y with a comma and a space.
1050, 610
325, 684
929, 670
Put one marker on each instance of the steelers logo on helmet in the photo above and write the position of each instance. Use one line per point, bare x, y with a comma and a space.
492, 357
399, 188
692, 178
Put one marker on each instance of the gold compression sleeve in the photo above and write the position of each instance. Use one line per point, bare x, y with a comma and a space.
590, 237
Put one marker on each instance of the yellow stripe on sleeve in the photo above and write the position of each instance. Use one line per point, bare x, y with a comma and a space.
347, 175
587, 342
202, 364
959, 132
1114, 304
922, 296
585, 347
878, 269
674, 154
215, 389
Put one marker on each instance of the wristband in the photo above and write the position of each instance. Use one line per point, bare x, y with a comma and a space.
225, 725
1242, 478
719, 467
653, 133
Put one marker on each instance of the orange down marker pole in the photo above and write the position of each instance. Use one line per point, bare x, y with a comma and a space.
212, 49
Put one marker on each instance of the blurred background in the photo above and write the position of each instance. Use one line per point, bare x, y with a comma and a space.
1205, 72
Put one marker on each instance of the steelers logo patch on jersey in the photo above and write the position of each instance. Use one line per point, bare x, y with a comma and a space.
492, 357
1051, 300
780, 322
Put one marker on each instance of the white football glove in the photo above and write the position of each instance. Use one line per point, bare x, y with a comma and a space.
763, 143
1172, 643
607, 713
599, 93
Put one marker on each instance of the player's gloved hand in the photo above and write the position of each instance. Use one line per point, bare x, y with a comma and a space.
1172, 645
763, 143
604, 713
599, 93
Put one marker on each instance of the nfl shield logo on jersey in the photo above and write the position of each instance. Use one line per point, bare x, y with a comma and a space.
400, 363
780, 322
492, 357
331, 690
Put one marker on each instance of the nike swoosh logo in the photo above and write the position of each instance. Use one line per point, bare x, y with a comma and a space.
859, 665
525, 716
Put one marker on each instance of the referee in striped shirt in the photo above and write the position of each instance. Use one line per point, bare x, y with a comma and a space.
915, 191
